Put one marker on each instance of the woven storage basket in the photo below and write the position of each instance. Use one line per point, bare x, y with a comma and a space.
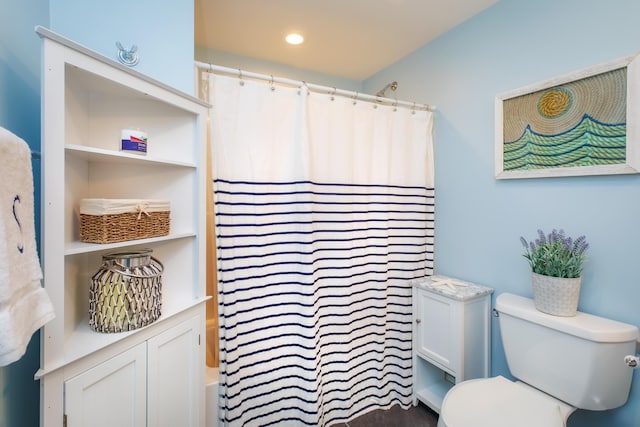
126, 293
119, 220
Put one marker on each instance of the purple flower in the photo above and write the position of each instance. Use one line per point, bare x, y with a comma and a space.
542, 239
556, 254
568, 243
580, 245
523, 241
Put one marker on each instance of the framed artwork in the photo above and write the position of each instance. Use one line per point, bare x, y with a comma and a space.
582, 123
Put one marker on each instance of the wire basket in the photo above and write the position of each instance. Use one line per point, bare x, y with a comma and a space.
126, 293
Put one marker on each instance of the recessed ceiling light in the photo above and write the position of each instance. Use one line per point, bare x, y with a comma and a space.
294, 38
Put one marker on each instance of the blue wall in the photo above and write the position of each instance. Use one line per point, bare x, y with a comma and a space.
163, 32
20, 113
246, 63
479, 219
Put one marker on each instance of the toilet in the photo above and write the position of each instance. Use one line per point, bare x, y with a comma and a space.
561, 364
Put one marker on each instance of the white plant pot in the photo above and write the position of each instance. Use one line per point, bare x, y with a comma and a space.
556, 295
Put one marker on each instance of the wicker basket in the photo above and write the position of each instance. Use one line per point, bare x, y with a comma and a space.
126, 293
119, 220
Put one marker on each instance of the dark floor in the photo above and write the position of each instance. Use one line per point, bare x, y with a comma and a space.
416, 416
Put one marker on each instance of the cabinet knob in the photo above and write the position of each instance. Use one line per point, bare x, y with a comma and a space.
418, 321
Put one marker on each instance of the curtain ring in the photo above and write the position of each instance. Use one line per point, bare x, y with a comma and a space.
240, 77
413, 109
355, 99
333, 94
304, 85
271, 83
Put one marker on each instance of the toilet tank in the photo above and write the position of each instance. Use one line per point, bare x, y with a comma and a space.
579, 360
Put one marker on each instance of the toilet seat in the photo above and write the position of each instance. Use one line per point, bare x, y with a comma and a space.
498, 402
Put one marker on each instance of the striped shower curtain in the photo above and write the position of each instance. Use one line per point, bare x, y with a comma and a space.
324, 212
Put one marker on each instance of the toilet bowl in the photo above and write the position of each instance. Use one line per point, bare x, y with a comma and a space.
499, 402
561, 364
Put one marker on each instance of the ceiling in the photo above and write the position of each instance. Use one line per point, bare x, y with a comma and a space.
352, 39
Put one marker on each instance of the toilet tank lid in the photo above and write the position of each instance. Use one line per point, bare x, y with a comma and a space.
583, 325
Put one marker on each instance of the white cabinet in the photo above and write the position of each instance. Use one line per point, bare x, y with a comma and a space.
436, 324
451, 336
175, 376
110, 394
87, 100
151, 384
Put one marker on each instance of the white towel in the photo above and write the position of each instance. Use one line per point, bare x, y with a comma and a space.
24, 304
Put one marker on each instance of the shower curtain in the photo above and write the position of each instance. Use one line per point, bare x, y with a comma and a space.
324, 213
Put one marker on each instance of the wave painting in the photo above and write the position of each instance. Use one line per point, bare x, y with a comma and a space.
589, 143
580, 123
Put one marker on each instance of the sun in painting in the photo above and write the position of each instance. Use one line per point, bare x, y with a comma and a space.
554, 103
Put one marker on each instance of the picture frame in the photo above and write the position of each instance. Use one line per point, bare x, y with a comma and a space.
582, 123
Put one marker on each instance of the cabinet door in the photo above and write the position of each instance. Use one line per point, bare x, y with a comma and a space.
176, 377
110, 394
437, 329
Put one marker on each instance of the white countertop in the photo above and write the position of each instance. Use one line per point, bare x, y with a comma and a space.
453, 288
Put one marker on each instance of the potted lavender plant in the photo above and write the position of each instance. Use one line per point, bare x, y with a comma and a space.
556, 262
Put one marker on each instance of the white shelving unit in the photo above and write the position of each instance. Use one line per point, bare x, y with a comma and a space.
87, 100
451, 336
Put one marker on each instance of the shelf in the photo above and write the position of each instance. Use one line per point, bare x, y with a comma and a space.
100, 155
88, 101
76, 247
84, 340
46, 33
433, 394
434, 363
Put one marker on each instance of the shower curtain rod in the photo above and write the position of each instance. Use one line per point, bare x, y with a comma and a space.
317, 88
